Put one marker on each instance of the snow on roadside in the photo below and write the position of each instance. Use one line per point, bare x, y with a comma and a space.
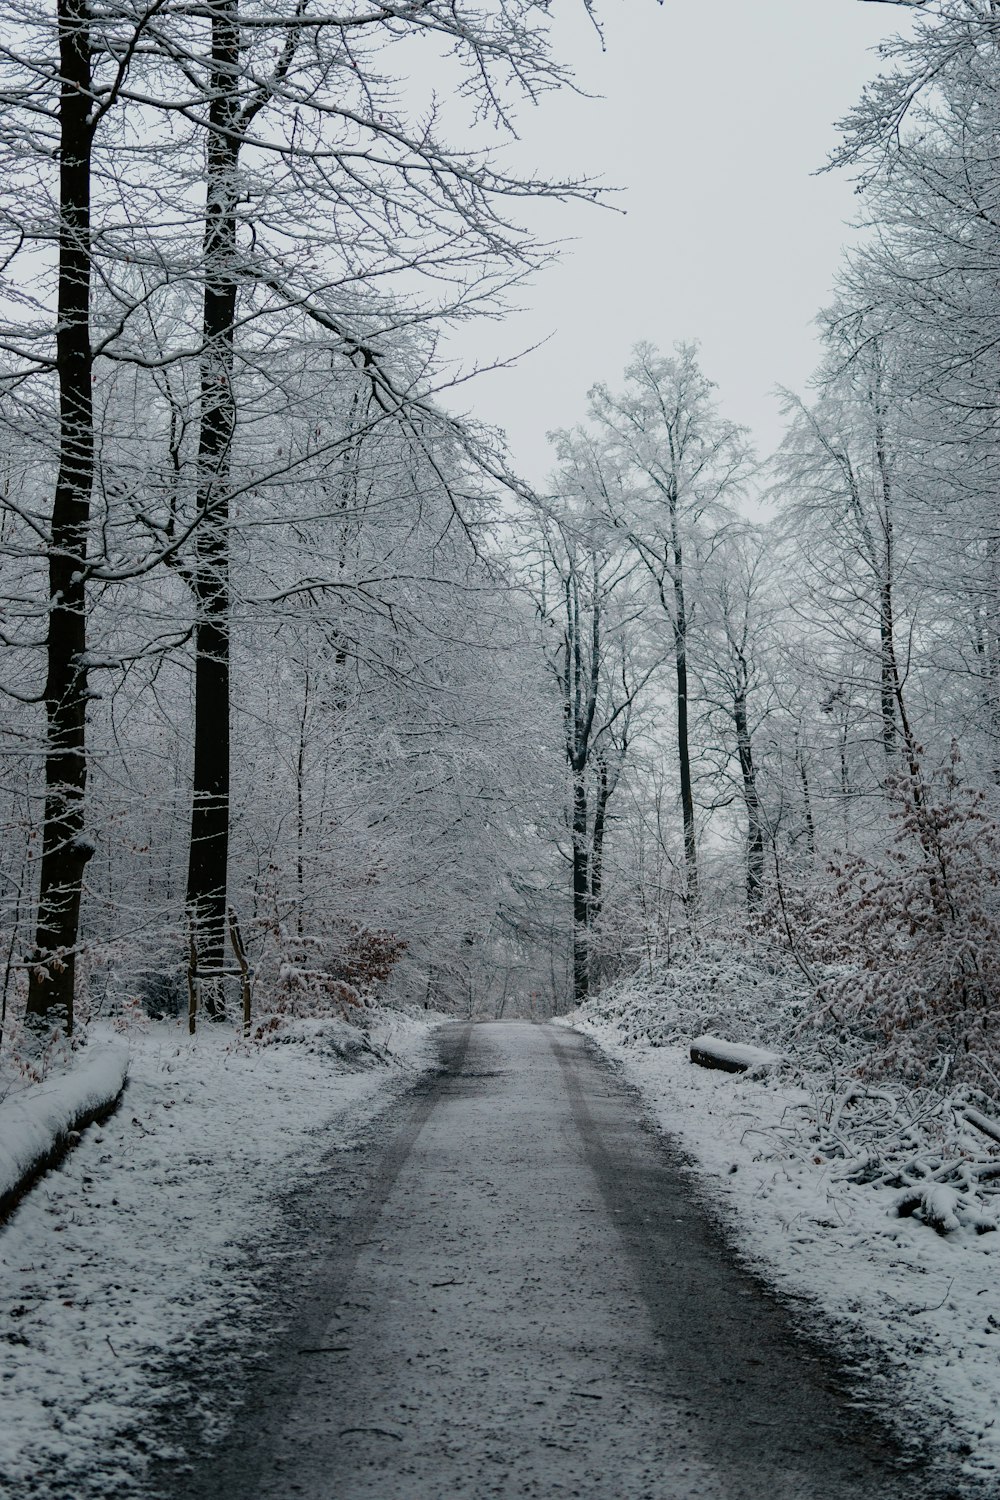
35, 1117
931, 1302
140, 1247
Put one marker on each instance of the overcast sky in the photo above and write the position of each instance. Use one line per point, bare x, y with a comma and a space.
714, 117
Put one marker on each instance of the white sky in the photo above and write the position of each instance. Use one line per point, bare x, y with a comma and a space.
714, 115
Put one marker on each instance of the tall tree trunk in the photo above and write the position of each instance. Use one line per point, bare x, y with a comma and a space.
988, 650
751, 798
209, 848
887, 692
300, 812
807, 811
581, 892
890, 662
880, 557
65, 849
845, 778
683, 738
597, 845
886, 606
595, 896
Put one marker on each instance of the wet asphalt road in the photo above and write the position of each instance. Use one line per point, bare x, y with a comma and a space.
525, 1299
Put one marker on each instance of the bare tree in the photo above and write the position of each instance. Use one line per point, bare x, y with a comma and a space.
681, 462
738, 639
584, 587
59, 84
839, 461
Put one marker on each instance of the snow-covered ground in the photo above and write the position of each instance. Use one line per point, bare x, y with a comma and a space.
141, 1245
930, 1302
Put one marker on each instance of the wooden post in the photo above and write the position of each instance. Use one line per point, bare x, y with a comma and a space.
192, 986
236, 938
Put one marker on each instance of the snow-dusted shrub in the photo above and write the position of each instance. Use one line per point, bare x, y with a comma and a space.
342, 1041
742, 988
920, 931
313, 975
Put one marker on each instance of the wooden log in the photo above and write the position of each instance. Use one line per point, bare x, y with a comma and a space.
730, 1057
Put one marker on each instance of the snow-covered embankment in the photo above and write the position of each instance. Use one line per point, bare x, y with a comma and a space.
925, 1304
39, 1121
147, 1250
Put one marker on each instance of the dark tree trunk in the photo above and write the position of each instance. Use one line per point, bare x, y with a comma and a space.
209, 850
887, 690
845, 777
597, 845
581, 892
595, 896
879, 554
65, 849
683, 736
751, 797
300, 811
990, 653
886, 622
806, 803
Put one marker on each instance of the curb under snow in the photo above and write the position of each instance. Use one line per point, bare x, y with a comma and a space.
39, 1122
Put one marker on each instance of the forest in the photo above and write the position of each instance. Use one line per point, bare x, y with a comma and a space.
307, 691
385, 831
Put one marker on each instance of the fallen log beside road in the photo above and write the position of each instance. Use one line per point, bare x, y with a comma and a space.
731, 1057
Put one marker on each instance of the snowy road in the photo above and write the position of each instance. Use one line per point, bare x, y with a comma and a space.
527, 1301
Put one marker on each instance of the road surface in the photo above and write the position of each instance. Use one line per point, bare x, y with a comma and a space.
518, 1294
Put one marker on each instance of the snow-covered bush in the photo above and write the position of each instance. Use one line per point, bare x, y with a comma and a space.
746, 989
308, 975
919, 931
